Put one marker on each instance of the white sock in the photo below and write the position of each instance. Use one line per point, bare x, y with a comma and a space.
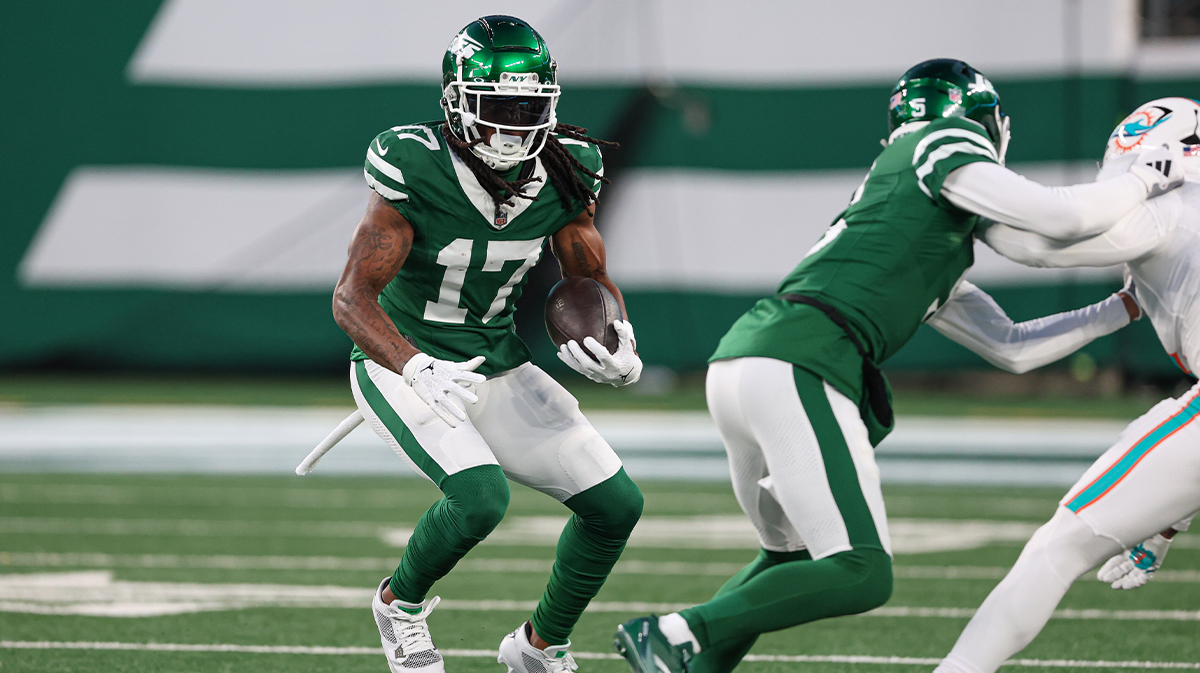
676, 629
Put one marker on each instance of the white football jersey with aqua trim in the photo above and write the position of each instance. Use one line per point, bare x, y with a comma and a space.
1160, 243
1167, 282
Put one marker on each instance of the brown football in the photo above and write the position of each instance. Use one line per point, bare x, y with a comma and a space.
580, 307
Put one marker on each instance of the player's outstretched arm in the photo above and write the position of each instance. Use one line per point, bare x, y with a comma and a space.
580, 252
1060, 213
973, 319
380, 245
1142, 231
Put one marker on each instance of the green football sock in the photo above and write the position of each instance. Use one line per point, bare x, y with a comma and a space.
474, 503
724, 656
791, 593
590, 545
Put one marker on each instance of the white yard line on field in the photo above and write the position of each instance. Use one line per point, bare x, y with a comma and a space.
374, 651
96, 593
508, 565
909, 536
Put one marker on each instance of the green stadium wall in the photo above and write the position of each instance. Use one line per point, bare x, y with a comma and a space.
69, 103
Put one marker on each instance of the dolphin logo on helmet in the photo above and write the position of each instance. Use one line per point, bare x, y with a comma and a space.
1164, 121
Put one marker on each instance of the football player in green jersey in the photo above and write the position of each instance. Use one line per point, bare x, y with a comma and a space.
460, 210
794, 386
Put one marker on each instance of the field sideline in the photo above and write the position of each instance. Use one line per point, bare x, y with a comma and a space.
687, 394
288, 593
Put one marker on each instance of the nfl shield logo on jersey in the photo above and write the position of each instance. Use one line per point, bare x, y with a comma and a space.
501, 218
956, 95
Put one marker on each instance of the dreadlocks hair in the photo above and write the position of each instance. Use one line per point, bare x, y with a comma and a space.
559, 163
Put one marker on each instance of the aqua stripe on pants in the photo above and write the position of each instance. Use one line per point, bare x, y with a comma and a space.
1114, 474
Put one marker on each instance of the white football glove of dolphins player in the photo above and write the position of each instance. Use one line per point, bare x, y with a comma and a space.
619, 369
1161, 168
434, 381
1133, 568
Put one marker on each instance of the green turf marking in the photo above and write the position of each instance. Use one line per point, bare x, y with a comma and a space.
948, 580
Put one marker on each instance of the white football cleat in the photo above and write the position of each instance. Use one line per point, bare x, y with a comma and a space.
522, 657
405, 637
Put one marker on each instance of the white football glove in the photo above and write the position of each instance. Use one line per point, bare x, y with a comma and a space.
619, 369
1133, 568
1161, 168
434, 381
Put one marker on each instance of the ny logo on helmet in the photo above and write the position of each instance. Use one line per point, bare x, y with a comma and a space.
519, 77
981, 83
464, 46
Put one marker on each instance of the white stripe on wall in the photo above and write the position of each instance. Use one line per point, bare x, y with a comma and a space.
197, 229
340, 42
267, 231
730, 231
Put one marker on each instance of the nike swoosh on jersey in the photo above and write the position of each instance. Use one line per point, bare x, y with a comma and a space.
379, 149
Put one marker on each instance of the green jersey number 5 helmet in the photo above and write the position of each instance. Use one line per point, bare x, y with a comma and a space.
498, 73
945, 87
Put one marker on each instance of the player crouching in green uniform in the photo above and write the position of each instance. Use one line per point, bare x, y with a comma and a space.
794, 387
461, 210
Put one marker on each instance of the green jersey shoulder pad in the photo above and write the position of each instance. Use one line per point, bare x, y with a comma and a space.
589, 156
945, 145
396, 150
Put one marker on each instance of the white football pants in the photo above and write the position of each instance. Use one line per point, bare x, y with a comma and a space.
524, 421
1148, 481
803, 468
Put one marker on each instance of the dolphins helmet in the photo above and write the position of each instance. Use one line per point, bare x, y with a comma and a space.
1165, 121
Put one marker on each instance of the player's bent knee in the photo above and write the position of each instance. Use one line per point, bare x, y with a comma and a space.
872, 573
1070, 545
481, 497
611, 508
624, 515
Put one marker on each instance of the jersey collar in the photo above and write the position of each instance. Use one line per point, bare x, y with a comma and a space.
482, 201
906, 129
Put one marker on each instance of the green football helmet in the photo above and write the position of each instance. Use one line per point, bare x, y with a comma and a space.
498, 73
945, 87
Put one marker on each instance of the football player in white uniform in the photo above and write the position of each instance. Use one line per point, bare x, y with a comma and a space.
1146, 488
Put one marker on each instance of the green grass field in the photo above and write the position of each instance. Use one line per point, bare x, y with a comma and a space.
191, 536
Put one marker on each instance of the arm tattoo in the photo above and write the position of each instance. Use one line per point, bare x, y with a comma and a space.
376, 255
581, 258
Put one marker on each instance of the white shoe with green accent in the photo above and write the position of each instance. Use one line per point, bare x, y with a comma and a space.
520, 656
405, 636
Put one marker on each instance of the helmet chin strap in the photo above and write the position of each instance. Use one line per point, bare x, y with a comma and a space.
504, 144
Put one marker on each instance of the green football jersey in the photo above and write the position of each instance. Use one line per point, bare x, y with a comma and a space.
455, 295
887, 263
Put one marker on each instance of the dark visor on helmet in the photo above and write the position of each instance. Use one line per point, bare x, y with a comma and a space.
510, 110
